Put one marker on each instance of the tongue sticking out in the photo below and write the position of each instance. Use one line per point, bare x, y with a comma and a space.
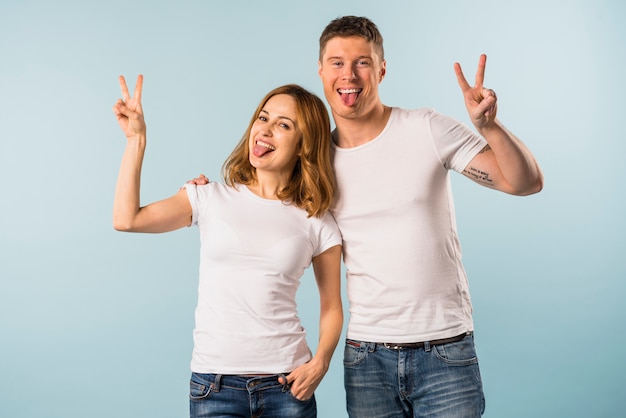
348, 99
260, 150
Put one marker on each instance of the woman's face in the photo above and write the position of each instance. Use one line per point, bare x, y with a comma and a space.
275, 136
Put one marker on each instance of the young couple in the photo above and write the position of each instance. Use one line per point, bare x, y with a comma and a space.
383, 175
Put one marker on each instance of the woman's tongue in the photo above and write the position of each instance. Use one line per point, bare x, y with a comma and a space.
260, 150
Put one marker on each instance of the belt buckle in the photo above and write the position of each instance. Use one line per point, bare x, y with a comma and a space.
392, 346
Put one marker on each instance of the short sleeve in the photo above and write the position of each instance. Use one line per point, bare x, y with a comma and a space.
192, 195
328, 234
456, 144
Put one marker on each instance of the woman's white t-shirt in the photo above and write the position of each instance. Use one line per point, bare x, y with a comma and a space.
253, 253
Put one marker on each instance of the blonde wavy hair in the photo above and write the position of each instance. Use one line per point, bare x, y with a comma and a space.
312, 185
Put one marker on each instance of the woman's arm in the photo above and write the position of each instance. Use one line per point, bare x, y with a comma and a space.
305, 379
162, 216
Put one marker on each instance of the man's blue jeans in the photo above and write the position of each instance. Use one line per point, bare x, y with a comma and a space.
434, 381
215, 396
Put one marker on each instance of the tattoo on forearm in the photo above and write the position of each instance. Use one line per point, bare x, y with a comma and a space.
479, 176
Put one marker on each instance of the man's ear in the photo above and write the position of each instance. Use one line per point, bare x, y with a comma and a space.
383, 71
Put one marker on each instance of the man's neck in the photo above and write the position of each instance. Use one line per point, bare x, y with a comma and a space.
352, 132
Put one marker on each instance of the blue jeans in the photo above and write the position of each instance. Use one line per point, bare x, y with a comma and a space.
215, 395
434, 381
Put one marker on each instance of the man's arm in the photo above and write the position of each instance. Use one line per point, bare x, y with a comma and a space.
505, 164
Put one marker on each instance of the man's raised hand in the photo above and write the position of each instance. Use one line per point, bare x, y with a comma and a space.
481, 103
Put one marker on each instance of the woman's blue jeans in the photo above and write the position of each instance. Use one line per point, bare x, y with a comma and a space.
214, 395
434, 381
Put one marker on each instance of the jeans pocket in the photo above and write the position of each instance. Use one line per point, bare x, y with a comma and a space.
302, 401
459, 353
354, 353
198, 391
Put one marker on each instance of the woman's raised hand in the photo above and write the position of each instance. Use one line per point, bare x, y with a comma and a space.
128, 110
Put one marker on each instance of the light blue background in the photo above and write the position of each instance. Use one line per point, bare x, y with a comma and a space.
98, 323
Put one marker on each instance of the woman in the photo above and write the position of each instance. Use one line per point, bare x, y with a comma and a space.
259, 230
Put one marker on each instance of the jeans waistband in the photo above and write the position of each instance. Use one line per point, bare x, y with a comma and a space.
248, 383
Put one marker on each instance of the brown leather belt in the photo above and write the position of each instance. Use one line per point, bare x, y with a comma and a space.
402, 346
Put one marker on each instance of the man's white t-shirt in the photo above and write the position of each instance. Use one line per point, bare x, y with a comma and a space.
394, 207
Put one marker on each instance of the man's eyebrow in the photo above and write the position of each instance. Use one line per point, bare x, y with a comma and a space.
360, 57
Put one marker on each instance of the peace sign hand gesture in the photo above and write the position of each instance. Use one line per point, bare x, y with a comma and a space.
128, 110
481, 103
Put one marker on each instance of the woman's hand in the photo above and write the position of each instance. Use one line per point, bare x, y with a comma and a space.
128, 110
304, 379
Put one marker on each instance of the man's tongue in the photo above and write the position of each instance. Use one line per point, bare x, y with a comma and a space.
260, 150
348, 99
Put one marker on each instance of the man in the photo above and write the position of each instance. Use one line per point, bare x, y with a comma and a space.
409, 350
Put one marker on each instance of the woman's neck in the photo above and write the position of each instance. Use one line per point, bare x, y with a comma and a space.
268, 186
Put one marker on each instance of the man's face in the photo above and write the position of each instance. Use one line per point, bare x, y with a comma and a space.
351, 70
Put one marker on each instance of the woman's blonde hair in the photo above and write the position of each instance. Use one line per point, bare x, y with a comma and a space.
312, 185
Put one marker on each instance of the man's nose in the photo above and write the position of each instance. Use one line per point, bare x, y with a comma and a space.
348, 73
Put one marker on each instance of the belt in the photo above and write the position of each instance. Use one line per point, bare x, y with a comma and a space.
400, 346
